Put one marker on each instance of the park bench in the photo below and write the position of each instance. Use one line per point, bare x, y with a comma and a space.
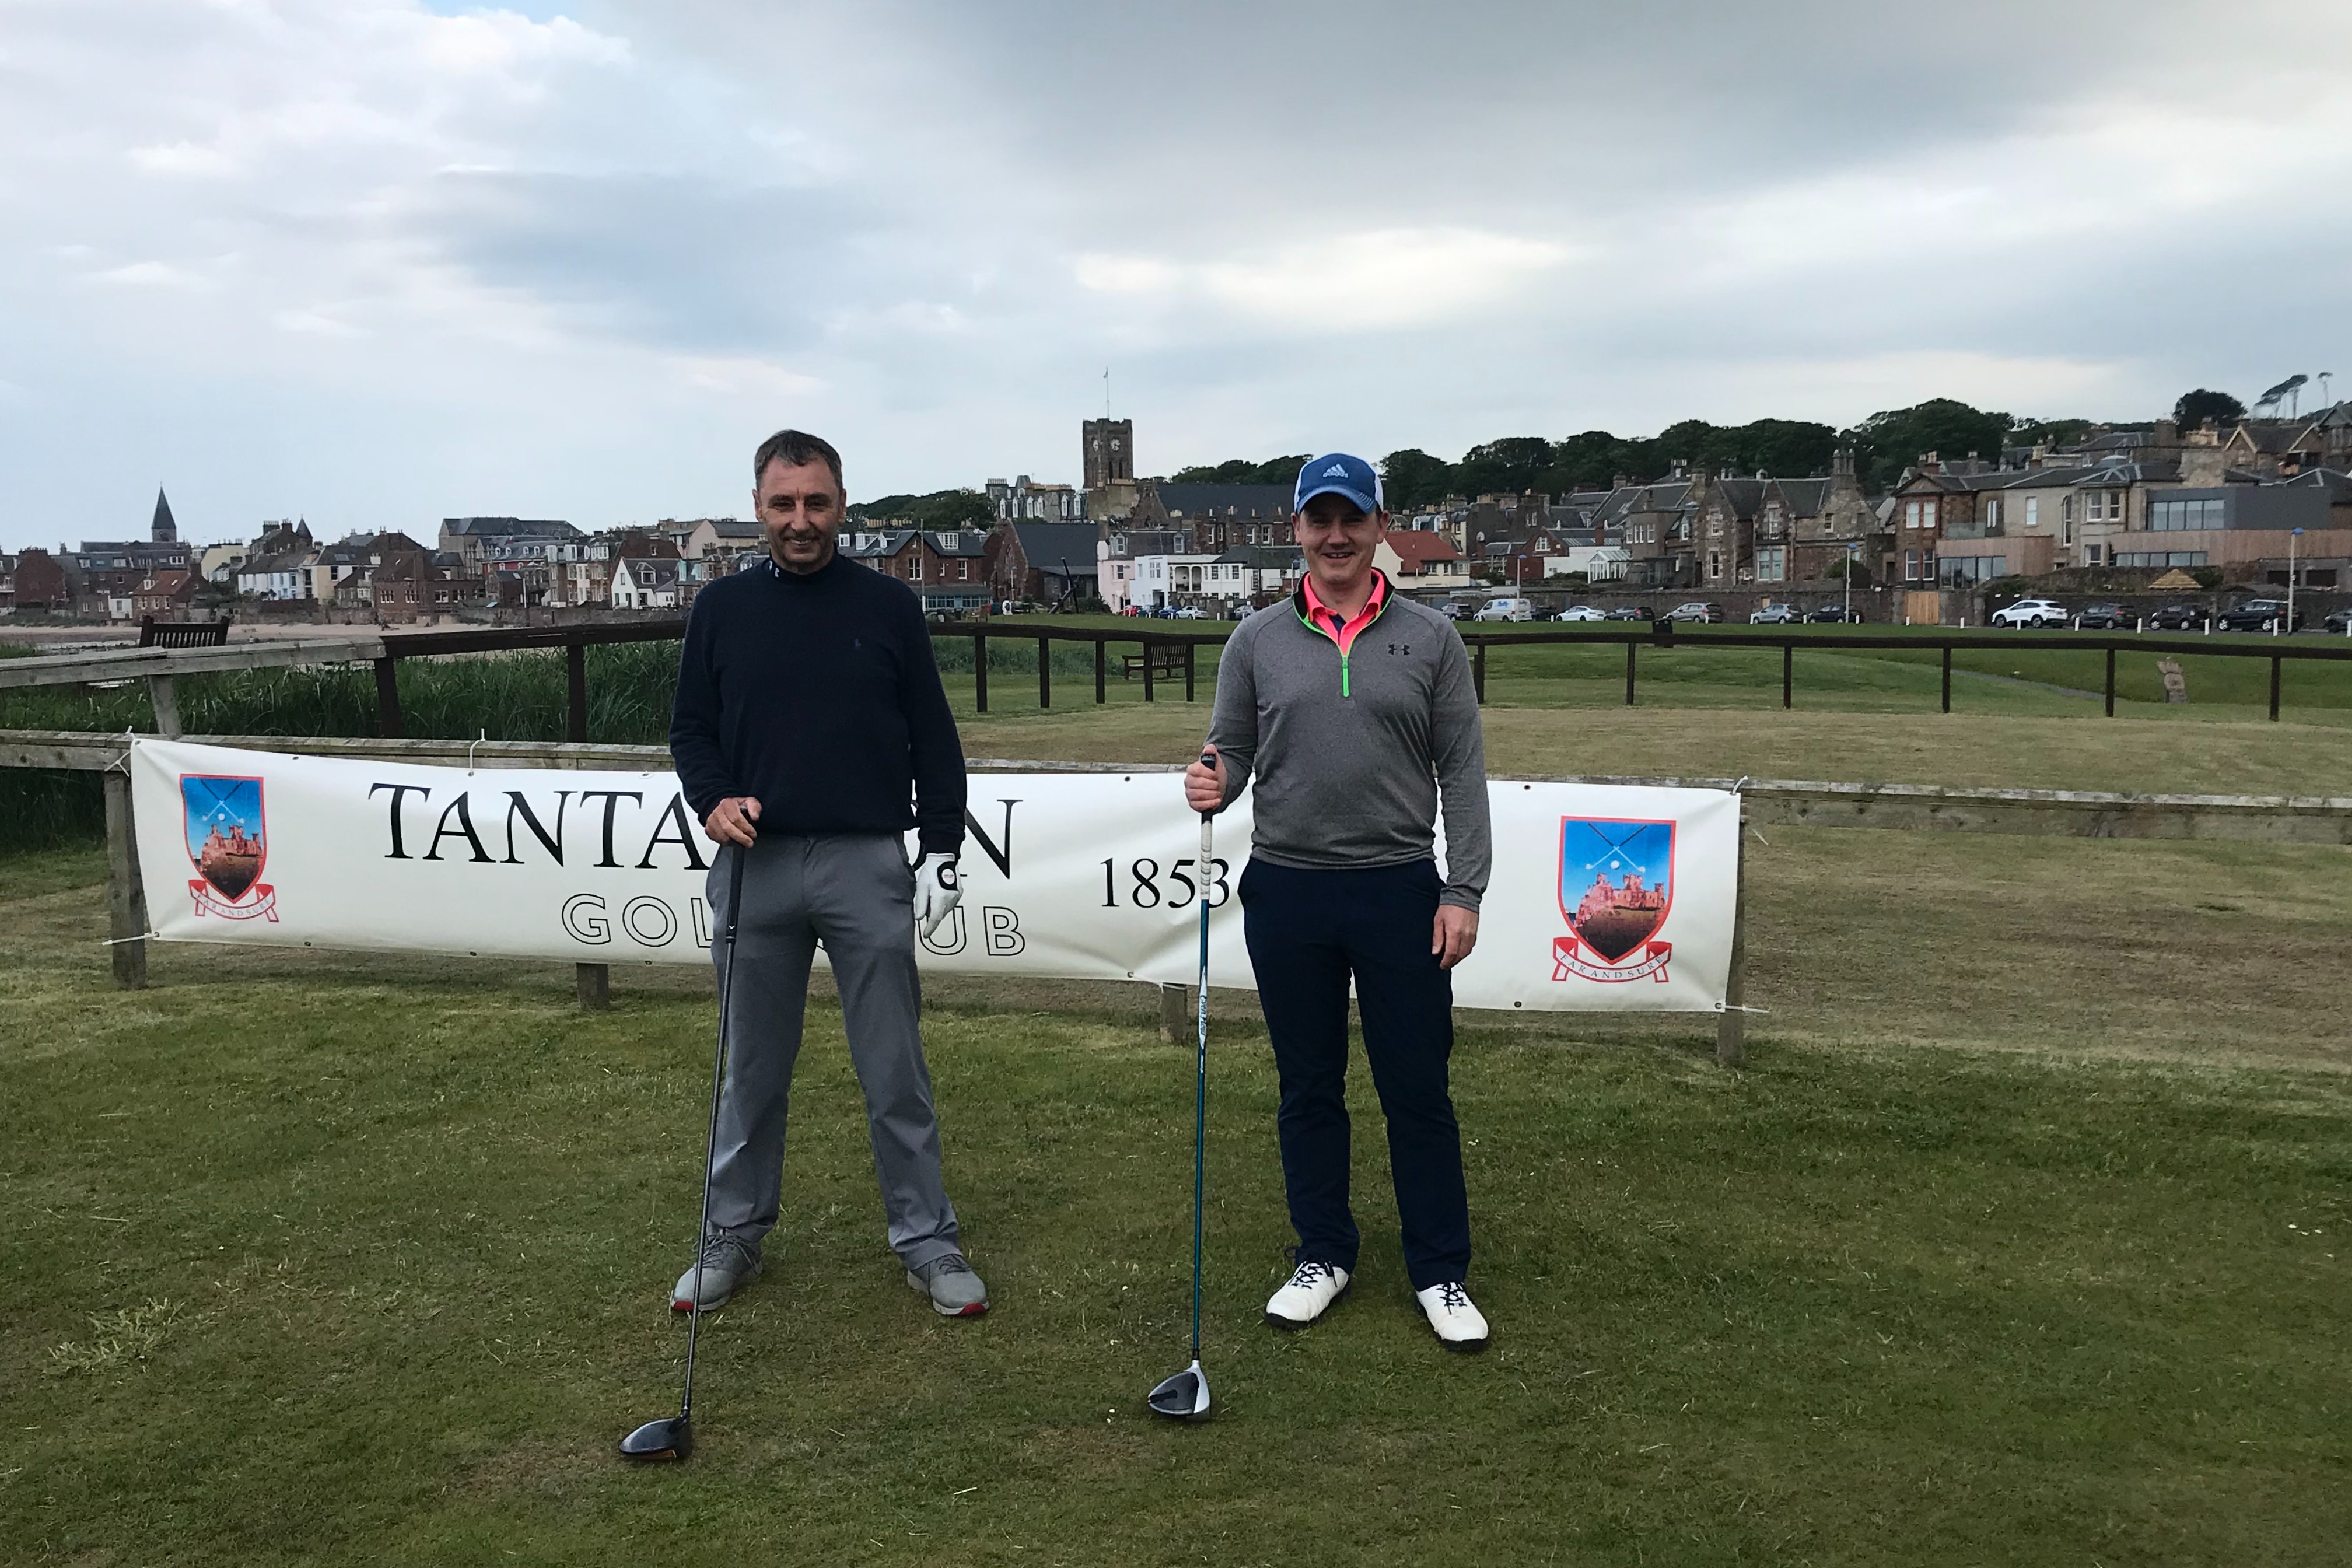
154, 633
1167, 660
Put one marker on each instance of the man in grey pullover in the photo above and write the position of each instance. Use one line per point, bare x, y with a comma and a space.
1354, 710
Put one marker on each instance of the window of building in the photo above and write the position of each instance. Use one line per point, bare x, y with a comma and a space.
1911, 514
1772, 563
1910, 566
1927, 513
2171, 516
1992, 515
2033, 512
1713, 564
2103, 506
2159, 558
2091, 554
1961, 570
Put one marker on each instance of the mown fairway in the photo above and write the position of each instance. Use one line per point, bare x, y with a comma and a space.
2020, 1239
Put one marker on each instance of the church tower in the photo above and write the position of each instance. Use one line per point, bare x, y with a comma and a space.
166, 531
1109, 452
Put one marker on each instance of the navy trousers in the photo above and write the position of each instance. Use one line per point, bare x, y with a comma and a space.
1307, 932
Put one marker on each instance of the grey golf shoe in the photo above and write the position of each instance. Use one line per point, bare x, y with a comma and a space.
726, 1266
954, 1289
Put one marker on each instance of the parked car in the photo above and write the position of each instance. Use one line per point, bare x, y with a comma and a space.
2102, 617
1696, 610
2031, 613
2176, 618
1580, 613
2257, 615
1190, 613
1454, 610
1835, 616
2340, 623
1506, 610
1775, 615
1631, 613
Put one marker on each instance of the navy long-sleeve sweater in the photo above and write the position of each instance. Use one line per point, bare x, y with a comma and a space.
817, 696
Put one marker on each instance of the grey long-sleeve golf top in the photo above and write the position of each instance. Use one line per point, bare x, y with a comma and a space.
1352, 753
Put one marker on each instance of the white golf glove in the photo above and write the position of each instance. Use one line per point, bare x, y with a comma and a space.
938, 891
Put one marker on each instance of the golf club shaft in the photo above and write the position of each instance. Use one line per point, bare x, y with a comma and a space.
1200, 1078
710, 1143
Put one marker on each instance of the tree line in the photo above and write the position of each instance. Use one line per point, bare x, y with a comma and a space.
1884, 446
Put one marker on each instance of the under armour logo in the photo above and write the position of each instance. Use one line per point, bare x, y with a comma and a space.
1336, 471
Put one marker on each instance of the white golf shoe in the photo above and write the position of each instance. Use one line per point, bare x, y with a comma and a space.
1459, 1326
1310, 1291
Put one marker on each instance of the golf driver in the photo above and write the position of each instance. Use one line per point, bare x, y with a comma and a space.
1185, 1396
672, 1436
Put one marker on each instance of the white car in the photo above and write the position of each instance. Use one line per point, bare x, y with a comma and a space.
2030, 612
1506, 610
1580, 613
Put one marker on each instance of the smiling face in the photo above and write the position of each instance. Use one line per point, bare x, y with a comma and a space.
1338, 538
800, 508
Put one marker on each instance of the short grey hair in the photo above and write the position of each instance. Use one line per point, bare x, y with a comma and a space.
795, 448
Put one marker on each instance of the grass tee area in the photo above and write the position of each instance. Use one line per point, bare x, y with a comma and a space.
2022, 1239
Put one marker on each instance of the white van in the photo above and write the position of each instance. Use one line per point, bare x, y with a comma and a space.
1506, 610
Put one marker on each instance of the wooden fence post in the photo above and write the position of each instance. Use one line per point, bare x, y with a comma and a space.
166, 699
2111, 683
1947, 678
1189, 651
1147, 670
594, 982
2274, 687
1631, 648
126, 900
1479, 670
575, 672
1731, 1025
1175, 1014
1102, 646
980, 671
1044, 672
387, 699
1787, 675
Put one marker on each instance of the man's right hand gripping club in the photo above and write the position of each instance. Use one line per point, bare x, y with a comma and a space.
730, 821
1204, 782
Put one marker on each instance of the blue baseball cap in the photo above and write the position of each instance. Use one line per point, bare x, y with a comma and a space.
1338, 474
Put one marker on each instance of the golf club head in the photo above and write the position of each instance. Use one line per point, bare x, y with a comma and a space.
1184, 1398
671, 1438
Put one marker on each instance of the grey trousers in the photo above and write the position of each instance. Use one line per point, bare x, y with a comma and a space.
856, 894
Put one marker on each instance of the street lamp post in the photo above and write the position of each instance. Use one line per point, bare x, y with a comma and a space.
1850, 551
2293, 534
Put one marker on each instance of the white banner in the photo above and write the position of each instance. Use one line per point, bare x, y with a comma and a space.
1603, 898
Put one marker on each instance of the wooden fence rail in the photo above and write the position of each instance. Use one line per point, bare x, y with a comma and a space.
1163, 653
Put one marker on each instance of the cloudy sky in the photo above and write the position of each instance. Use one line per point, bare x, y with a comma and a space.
377, 261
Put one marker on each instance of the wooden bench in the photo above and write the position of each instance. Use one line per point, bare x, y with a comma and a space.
154, 633
1167, 662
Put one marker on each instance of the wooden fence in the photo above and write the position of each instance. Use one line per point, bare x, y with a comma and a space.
1163, 655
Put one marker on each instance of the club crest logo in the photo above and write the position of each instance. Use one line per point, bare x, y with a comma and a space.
1616, 884
228, 843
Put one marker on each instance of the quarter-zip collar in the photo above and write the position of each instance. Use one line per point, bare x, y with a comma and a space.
1342, 631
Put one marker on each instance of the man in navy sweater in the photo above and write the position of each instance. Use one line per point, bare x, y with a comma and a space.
810, 734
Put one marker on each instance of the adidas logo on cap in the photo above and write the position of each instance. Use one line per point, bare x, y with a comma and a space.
1336, 471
